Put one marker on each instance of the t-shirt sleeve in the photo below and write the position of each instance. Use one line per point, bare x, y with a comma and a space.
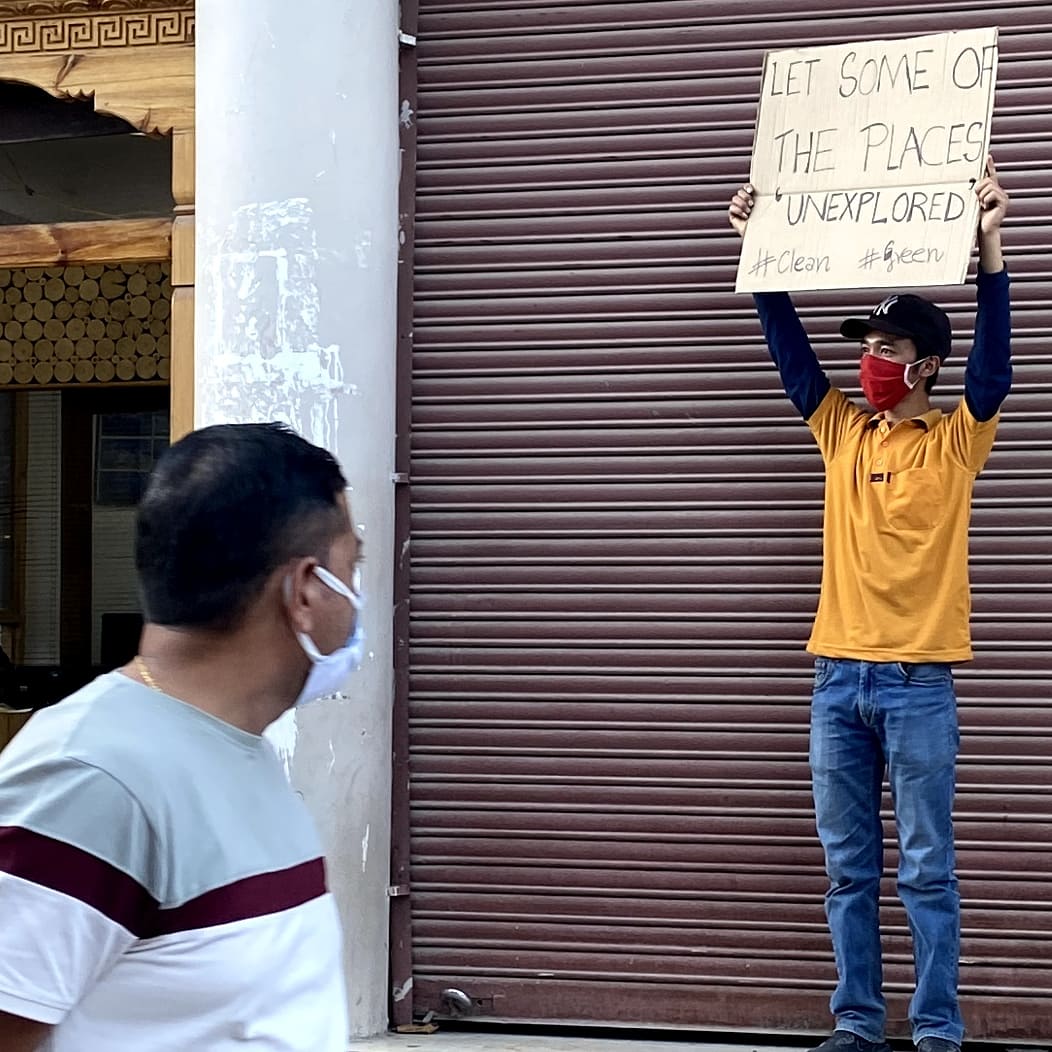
802, 377
988, 371
835, 418
969, 440
74, 845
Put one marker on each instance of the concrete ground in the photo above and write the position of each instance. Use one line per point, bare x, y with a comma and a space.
499, 1041
490, 1040
471, 1041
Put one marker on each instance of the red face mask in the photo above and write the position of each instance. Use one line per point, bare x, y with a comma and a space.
885, 383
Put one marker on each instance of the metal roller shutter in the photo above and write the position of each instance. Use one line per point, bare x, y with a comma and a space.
615, 535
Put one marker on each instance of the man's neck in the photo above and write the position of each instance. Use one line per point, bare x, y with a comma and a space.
219, 674
916, 403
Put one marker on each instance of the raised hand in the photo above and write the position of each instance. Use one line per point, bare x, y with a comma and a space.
993, 204
740, 208
993, 200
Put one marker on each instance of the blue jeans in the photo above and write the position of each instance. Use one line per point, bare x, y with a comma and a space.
864, 716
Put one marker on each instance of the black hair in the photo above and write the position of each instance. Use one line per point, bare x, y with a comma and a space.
224, 508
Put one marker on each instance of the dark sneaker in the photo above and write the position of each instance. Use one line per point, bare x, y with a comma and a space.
845, 1041
937, 1044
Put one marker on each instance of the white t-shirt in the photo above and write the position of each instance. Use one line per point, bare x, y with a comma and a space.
161, 885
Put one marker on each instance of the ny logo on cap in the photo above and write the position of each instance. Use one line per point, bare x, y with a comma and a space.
884, 307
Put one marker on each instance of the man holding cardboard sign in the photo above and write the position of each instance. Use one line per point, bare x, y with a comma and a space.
892, 617
862, 158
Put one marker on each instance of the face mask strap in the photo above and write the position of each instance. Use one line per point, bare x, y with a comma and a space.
910, 365
332, 581
309, 648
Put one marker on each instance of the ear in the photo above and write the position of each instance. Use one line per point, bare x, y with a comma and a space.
929, 367
300, 593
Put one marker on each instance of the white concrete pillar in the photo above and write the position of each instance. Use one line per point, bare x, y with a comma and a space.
297, 225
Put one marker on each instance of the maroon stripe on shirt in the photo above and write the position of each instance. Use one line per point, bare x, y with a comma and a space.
73, 871
257, 896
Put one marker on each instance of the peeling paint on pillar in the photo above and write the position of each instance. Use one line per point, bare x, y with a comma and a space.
268, 361
282, 735
400, 993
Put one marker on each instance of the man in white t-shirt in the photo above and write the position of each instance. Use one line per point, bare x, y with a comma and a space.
162, 887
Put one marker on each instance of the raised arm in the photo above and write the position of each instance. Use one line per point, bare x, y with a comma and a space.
988, 373
802, 377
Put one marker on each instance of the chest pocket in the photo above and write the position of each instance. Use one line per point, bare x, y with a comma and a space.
915, 499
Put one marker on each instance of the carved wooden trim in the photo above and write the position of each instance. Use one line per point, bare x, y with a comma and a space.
151, 88
65, 8
135, 60
35, 27
109, 241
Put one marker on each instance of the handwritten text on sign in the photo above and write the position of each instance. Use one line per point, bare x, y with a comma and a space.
864, 162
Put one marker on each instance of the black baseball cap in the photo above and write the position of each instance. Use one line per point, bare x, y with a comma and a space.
906, 315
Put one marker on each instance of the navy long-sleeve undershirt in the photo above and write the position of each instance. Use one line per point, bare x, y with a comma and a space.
987, 374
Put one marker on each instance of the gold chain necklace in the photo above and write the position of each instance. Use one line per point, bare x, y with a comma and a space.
140, 664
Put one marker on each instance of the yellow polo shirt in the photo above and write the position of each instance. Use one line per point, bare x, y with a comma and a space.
897, 506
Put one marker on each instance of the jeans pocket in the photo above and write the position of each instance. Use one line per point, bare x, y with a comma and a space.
925, 673
824, 669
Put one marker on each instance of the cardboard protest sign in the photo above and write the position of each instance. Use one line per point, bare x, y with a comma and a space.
864, 161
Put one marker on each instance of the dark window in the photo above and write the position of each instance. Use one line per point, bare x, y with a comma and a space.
127, 446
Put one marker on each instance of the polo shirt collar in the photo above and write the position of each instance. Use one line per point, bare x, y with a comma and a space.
926, 420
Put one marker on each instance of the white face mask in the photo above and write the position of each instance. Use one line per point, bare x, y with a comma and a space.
329, 672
